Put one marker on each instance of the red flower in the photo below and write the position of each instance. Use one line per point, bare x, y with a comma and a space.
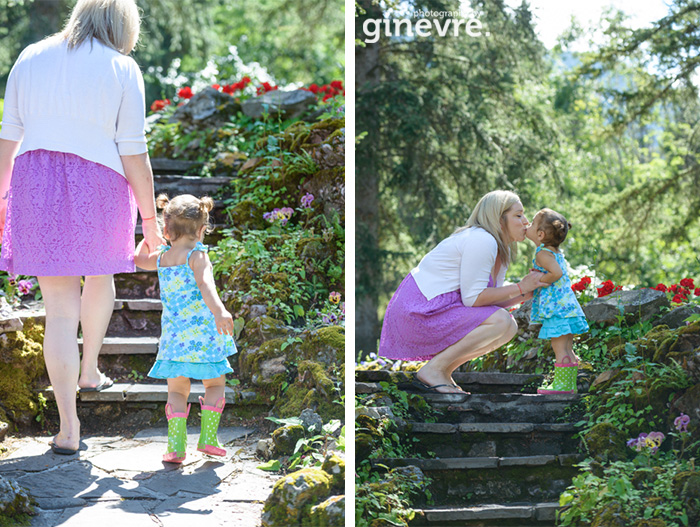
338, 85
229, 88
697, 291
216, 86
185, 93
688, 282
608, 287
661, 287
159, 105
673, 288
678, 299
246, 80
314, 88
265, 87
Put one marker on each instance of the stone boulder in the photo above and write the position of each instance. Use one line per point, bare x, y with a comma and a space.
9, 321
676, 318
14, 500
311, 421
639, 305
294, 495
208, 108
522, 315
285, 439
330, 513
285, 104
335, 466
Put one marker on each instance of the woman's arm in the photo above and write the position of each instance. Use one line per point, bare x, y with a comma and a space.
202, 268
547, 261
145, 259
137, 169
8, 149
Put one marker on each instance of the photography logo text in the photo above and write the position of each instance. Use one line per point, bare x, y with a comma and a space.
424, 24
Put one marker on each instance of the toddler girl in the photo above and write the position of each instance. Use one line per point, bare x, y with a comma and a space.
556, 306
197, 330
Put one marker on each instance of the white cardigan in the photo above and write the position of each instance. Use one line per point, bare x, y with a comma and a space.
88, 101
463, 262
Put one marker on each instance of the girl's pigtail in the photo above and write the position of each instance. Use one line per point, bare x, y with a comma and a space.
206, 204
162, 201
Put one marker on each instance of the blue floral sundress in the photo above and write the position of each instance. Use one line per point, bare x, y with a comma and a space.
556, 306
189, 345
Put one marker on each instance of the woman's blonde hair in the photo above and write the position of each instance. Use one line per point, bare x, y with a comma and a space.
185, 214
115, 23
488, 214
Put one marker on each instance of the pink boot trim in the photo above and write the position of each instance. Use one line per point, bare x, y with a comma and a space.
170, 414
173, 457
217, 408
212, 450
545, 391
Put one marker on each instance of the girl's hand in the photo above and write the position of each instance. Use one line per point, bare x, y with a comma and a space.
532, 281
152, 234
224, 322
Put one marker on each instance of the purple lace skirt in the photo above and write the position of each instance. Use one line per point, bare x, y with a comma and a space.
418, 329
67, 216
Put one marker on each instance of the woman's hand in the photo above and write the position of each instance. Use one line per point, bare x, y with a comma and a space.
3, 215
532, 281
152, 234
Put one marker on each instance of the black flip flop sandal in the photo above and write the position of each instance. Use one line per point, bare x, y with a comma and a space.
105, 382
62, 451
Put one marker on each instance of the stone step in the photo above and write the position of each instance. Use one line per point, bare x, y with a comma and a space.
139, 285
446, 440
476, 382
489, 515
135, 392
135, 317
164, 165
476, 480
127, 345
174, 185
500, 407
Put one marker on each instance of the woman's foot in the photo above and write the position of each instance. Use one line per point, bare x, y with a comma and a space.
94, 383
438, 385
66, 443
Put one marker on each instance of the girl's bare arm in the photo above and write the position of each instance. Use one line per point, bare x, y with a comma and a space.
547, 260
204, 276
144, 259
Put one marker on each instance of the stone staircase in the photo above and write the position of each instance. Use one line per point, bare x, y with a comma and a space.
498, 457
131, 342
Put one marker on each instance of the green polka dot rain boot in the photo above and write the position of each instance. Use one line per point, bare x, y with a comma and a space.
564, 379
177, 435
211, 415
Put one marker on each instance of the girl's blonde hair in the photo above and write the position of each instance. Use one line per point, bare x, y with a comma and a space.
185, 214
488, 214
115, 23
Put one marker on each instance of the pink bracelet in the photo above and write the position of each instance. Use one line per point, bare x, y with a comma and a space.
521, 291
147, 219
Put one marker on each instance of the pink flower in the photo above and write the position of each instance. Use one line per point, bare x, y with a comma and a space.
334, 297
25, 286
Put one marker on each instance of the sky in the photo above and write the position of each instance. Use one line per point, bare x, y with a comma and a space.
552, 17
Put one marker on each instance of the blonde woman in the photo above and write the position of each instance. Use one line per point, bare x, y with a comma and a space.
451, 308
73, 169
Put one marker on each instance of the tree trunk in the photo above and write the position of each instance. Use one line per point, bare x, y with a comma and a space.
367, 260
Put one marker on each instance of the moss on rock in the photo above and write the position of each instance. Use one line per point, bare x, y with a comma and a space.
312, 389
330, 513
605, 442
335, 466
21, 364
293, 496
285, 439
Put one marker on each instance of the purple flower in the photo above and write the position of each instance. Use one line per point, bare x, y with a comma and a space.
632, 443
331, 318
681, 422
306, 200
25, 286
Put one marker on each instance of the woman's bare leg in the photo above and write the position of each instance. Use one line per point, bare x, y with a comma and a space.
62, 303
97, 304
495, 331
